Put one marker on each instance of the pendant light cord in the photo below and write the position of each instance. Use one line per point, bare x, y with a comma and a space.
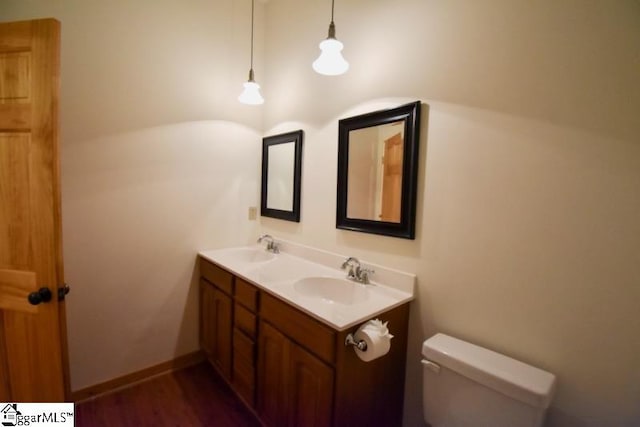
252, 7
333, 3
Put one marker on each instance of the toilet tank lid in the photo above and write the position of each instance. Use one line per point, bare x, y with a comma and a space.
511, 377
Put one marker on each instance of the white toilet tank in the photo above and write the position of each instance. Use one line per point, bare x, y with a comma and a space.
467, 385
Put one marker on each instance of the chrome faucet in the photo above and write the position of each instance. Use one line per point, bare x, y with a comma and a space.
355, 271
272, 245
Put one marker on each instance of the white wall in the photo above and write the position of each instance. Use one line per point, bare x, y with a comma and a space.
528, 232
528, 238
159, 160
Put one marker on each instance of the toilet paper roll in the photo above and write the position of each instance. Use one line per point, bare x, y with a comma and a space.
377, 345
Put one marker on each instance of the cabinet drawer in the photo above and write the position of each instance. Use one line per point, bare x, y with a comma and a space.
216, 275
245, 320
243, 357
306, 331
244, 370
247, 294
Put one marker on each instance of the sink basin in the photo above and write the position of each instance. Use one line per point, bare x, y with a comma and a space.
332, 290
248, 255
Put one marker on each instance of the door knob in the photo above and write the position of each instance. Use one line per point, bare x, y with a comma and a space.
42, 295
62, 292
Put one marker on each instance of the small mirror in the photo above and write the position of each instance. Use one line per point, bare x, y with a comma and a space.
378, 171
281, 168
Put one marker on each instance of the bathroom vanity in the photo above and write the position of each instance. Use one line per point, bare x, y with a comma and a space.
282, 348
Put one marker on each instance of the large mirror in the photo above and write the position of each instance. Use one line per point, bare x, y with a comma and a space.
281, 169
378, 171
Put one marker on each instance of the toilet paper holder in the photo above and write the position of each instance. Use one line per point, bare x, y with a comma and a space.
360, 345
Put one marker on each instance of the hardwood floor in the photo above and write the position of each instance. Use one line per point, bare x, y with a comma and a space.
194, 396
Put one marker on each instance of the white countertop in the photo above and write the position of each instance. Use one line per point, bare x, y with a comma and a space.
278, 274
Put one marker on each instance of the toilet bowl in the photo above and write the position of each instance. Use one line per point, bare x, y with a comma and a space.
467, 385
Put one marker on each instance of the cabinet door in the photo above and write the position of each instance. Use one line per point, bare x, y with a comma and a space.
273, 364
311, 390
295, 388
215, 328
223, 333
207, 317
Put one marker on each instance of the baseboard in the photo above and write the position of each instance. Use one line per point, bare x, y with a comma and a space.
128, 380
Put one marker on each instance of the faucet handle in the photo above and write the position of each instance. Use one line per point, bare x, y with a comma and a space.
274, 247
350, 261
363, 275
264, 236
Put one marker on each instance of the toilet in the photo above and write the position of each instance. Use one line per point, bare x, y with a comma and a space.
467, 385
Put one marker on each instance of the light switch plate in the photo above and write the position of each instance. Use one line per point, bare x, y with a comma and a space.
253, 213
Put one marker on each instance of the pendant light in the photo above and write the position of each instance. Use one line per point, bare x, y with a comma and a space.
330, 62
251, 93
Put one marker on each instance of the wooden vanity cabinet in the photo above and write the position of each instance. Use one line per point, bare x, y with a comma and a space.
292, 369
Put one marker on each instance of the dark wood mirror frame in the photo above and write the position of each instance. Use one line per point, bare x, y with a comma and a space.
405, 228
294, 138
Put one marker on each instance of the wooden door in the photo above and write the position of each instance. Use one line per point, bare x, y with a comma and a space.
33, 361
392, 179
311, 390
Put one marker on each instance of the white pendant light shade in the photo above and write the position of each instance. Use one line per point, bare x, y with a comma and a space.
251, 93
331, 62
